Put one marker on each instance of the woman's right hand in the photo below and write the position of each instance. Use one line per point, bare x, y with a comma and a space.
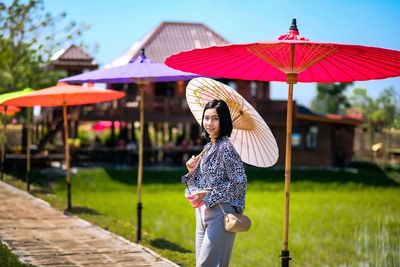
192, 164
197, 199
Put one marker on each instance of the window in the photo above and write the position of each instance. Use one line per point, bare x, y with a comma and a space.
312, 137
233, 85
296, 140
253, 89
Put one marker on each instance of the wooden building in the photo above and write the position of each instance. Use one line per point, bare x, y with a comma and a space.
74, 60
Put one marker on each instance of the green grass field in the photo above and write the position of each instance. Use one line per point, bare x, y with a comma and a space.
346, 217
8, 259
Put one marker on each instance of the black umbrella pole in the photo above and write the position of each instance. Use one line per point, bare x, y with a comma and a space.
139, 222
285, 258
28, 182
2, 171
69, 195
3, 144
28, 149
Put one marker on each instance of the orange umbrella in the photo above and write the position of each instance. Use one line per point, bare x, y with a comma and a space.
65, 95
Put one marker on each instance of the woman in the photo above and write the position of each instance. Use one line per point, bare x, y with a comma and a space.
221, 181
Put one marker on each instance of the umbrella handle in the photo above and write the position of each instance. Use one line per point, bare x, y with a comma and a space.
201, 153
187, 187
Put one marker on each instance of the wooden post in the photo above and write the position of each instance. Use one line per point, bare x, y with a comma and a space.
28, 148
3, 143
291, 79
67, 159
142, 87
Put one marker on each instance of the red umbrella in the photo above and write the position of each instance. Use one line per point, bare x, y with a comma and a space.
291, 59
65, 95
291, 55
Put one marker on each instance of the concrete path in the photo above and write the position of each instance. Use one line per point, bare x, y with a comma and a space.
43, 236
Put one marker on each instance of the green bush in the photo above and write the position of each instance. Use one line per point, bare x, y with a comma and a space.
85, 137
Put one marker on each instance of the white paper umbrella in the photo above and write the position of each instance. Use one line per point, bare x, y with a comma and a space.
251, 136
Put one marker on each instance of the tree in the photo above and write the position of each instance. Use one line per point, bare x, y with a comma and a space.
28, 37
330, 98
387, 102
379, 113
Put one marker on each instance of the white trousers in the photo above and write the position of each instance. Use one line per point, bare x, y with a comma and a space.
213, 244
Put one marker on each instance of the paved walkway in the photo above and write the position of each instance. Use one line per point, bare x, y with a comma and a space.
43, 236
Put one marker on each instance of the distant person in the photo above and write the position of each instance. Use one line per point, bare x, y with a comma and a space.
220, 180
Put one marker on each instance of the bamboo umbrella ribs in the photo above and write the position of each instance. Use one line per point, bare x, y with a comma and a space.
251, 136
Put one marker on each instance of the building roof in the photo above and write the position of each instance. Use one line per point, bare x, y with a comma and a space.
169, 38
304, 113
73, 56
332, 118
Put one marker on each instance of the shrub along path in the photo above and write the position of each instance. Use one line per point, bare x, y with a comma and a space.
42, 236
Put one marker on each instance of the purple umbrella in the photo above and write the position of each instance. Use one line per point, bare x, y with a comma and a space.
141, 71
137, 70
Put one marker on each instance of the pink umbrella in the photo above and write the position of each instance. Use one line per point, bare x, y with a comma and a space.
65, 95
290, 59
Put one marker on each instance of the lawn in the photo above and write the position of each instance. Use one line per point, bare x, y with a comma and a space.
347, 217
8, 259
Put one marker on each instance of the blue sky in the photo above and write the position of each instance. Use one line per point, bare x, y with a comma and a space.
116, 25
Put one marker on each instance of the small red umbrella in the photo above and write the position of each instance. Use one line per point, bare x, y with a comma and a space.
104, 125
290, 59
65, 95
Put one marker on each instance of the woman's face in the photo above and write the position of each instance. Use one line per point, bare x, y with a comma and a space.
211, 122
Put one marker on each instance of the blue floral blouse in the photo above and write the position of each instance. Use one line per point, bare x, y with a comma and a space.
221, 171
